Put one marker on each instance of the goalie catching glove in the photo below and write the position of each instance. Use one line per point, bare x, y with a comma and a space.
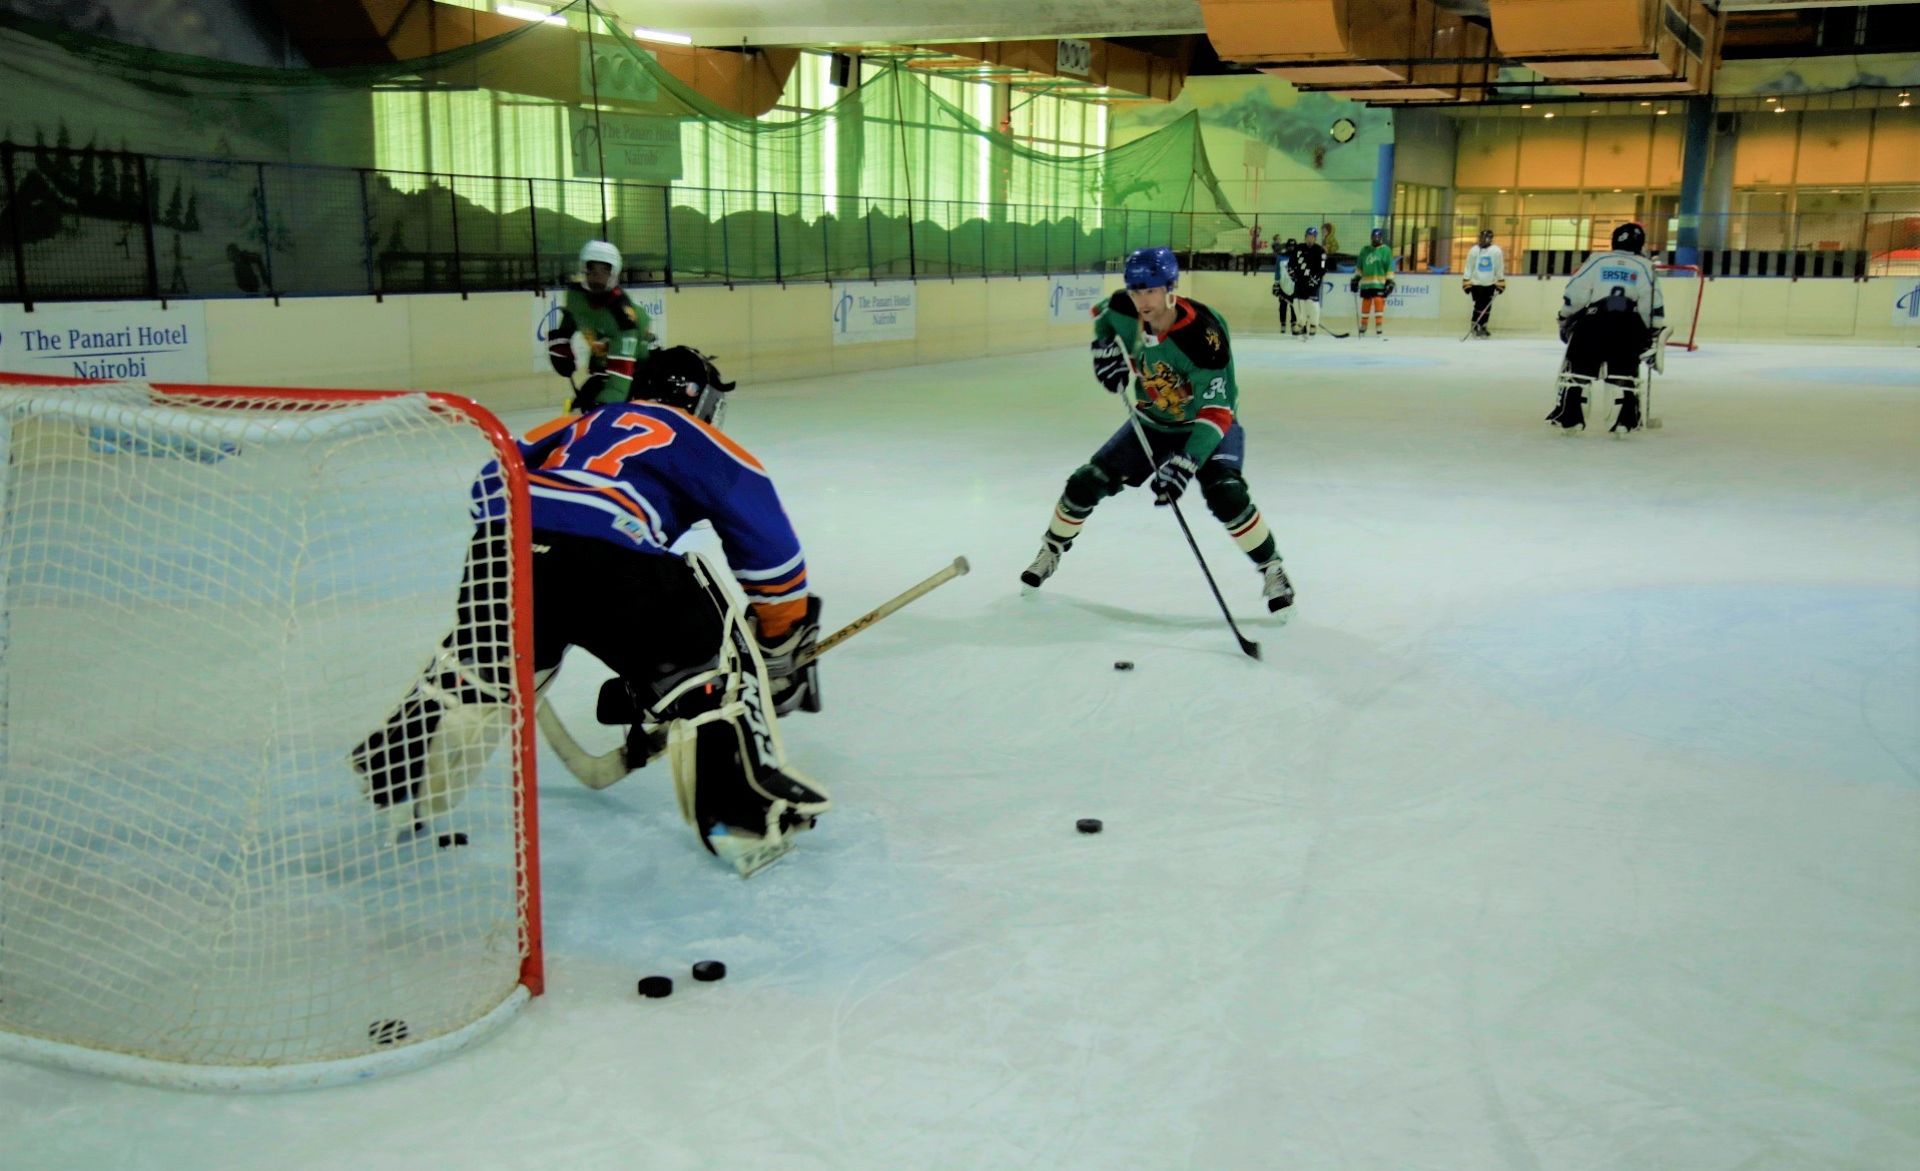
1110, 365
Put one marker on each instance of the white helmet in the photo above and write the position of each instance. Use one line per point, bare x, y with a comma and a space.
602, 251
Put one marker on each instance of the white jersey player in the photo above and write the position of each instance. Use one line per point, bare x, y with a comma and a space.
1485, 278
1611, 318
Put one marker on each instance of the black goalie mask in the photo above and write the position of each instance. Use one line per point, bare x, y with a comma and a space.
681, 376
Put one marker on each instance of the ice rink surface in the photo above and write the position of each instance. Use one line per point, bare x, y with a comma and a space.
1572, 823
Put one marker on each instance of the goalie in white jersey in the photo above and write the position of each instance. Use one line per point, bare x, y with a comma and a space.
1611, 318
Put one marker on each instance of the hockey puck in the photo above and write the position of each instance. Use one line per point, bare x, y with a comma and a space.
452, 839
707, 971
1088, 825
1123, 665
656, 987
387, 1032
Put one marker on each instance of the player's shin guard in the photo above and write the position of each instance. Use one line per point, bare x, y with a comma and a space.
420, 761
730, 767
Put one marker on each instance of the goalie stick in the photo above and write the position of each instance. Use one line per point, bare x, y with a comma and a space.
598, 772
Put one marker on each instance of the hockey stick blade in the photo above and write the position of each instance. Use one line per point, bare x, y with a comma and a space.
595, 772
598, 772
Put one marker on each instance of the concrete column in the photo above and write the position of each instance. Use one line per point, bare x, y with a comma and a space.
1698, 149
1383, 186
1716, 210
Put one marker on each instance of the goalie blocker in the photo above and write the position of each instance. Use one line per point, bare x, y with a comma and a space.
693, 683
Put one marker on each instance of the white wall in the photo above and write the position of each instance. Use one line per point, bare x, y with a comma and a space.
1733, 308
484, 345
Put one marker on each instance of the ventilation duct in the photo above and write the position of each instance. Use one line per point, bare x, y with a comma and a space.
1612, 46
1374, 50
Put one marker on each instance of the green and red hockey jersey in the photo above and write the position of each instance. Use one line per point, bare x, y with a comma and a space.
1186, 383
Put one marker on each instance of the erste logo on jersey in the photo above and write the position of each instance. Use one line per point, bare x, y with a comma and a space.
1166, 390
1630, 276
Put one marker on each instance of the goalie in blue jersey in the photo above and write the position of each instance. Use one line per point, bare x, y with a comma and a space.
613, 489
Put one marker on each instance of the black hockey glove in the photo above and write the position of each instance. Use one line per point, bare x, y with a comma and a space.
560, 354
1566, 329
794, 686
1390, 287
1353, 286
1276, 288
586, 396
1110, 365
1170, 478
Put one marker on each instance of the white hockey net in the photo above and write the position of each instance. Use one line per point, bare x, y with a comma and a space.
1684, 287
208, 601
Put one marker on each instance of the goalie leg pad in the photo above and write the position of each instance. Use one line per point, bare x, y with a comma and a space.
1627, 417
440, 736
730, 769
1569, 413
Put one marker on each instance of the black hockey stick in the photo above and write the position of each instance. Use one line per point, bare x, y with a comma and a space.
1320, 299
1248, 647
1479, 316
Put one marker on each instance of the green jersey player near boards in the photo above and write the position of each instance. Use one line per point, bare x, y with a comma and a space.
1374, 282
613, 324
1185, 398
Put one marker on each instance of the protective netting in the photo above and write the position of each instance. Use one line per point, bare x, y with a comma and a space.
206, 605
138, 173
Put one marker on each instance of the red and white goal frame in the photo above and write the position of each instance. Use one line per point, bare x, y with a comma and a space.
1683, 313
208, 596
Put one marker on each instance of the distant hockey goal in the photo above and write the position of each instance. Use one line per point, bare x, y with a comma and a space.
209, 598
1684, 287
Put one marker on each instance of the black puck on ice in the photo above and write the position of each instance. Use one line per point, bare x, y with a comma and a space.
656, 987
707, 971
1123, 665
387, 1032
452, 839
1088, 825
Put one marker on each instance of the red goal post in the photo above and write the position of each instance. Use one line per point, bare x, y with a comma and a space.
225, 588
1684, 286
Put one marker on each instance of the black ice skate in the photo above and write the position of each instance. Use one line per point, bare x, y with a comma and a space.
1045, 562
1275, 587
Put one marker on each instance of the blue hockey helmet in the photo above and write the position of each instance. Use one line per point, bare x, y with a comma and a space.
1313, 232
1379, 235
1151, 268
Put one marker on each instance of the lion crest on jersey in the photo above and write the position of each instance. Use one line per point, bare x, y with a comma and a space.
1166, 390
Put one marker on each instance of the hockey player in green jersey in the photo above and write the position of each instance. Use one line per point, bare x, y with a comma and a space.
1374, 282
614, 326
1185, 397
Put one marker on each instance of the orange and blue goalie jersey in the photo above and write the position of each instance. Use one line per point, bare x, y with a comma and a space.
640, 474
